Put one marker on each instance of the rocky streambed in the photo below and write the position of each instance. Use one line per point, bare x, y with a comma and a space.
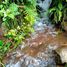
43, 48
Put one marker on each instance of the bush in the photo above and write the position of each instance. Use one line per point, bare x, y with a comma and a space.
57, 9
17, 20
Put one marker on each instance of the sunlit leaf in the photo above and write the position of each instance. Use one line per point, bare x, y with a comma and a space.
13, 7
52, 9
60, 15
60, 6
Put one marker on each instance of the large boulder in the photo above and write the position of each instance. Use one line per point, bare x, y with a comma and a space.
62, 52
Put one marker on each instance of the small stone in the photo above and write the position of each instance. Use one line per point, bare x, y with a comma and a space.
18, 54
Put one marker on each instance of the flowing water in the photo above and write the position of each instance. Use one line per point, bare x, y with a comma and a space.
37, 51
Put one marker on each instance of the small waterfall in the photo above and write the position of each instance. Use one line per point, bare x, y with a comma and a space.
44, 6
43, 21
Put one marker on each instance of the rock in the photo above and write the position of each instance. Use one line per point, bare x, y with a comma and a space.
57, 58
18, 64
62, 52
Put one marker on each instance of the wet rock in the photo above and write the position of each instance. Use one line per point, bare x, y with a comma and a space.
62, 52
57, 58
43, 59
19, 54
18, 64
22, 46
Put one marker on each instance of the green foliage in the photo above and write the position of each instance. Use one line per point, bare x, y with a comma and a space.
57, 10
25, 21
4, 47
17, 20
13, 17
30, 10
1, 42
8, 13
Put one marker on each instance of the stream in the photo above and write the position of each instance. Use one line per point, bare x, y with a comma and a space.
38, 49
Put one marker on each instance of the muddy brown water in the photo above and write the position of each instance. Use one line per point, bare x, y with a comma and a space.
60, 40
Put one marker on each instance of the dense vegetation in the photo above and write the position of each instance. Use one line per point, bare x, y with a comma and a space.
58, 12
17, 18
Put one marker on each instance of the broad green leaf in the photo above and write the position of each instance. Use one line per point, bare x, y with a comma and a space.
13, 7
1, 42
1, 6
2, 12
60, 6
52, 9
4, 19
11, 16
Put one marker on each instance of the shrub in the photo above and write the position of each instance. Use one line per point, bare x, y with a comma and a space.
17, 20
57, 10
